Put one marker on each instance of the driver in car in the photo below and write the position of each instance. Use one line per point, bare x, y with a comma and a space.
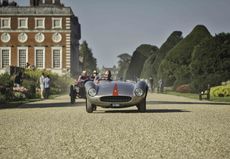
106, 77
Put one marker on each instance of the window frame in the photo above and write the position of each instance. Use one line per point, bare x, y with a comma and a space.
9, 24
23, 27
52, 50
22, 48
56, 27
35, 54
1, 59
36, 23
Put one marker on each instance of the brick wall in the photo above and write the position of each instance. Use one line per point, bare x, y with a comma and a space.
31, 43
70, 32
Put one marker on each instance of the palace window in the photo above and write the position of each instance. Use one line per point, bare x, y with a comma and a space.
5, 23
5, 57
22, 22
56, 57
22, 57
40, 23
40, 57
56, 23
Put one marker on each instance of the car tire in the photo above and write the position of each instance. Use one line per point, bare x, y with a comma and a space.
142, 105
72, 95
72, 100
89, 107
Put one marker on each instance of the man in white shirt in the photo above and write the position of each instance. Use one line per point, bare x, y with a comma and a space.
47, 86
41, 81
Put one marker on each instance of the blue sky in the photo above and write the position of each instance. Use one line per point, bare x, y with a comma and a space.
112, 27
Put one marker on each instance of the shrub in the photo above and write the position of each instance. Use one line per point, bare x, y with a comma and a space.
221, 91
59, 84
175, 67
18, 96
30, 85
5, 80
27, 83
184, 88
32, 74
211, 62
2, 98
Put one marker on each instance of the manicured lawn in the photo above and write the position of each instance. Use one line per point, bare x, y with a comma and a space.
221, 99
196, 96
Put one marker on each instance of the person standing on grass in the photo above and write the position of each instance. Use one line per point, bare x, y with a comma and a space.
47, 86
151, 84
41, 82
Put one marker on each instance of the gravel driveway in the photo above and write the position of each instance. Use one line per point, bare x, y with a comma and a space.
172, 127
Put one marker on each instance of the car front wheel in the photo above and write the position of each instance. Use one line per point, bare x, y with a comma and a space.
90, 107
142, 105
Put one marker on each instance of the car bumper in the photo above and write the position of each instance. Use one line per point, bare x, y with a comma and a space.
96, 100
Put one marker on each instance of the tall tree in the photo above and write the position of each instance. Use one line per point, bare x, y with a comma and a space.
151, 65
211, 62
140, 55
89, 62
123, 64
175, 68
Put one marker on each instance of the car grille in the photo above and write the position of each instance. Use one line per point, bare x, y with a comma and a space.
115, 99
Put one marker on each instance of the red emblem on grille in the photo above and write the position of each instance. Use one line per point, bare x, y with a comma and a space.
115, 90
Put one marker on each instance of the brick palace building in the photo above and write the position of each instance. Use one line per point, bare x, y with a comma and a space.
45, 34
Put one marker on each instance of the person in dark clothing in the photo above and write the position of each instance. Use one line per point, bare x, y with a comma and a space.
94, 76
82, 78
107, 75
18, 79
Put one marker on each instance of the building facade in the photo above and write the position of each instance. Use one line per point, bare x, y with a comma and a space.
45, 34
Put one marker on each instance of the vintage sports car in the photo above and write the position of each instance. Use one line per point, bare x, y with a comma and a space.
115, 94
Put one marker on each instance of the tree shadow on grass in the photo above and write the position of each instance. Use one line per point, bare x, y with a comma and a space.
82, 103
41, 105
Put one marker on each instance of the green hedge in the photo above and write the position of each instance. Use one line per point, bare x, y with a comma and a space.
59, 84
221, 91
6, 80
2, 98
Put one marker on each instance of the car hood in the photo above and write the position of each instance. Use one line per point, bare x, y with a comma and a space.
115, 88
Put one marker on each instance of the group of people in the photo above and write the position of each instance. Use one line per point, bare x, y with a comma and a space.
159, 85
94, 77
44, 81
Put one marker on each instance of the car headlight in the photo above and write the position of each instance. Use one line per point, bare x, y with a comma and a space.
92, 92
139, 92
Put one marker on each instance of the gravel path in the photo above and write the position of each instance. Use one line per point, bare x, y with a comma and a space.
172, 127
